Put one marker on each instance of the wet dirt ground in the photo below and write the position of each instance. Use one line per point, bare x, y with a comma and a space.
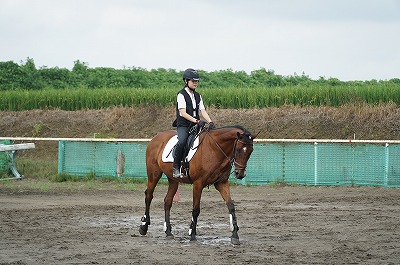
278, 225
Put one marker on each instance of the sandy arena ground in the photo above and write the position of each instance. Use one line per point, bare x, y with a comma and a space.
278, 225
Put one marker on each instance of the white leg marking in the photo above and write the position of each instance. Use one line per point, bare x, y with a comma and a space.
231, 221
144, 220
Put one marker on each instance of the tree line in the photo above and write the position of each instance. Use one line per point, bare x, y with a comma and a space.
27, 76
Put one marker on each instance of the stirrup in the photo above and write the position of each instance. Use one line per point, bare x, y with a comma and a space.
176, 173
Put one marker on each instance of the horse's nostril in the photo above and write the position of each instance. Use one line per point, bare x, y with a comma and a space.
239, 174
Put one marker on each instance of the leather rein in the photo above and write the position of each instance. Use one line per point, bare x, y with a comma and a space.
232, 160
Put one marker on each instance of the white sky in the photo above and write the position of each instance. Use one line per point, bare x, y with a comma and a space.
344, 39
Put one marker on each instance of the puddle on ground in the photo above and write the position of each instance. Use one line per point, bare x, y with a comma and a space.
206, 231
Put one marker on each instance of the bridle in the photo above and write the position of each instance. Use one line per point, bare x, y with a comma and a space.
239, 166
232, 160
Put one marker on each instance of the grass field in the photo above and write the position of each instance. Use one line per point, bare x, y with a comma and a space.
230, 97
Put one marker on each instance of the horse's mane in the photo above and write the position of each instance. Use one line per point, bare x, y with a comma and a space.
245, 131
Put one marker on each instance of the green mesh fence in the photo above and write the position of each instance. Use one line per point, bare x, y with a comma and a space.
4, 159
100, 158
287, 162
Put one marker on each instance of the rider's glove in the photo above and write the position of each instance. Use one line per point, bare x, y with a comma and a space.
211, 126
201, 123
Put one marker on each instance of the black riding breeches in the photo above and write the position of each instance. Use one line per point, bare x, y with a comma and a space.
183, 134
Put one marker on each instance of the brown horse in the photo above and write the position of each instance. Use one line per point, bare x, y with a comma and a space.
218, 150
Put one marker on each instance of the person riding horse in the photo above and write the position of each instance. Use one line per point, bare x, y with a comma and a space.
189, 106
223, 151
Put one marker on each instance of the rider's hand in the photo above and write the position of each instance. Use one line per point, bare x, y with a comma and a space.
211, 126
201, 123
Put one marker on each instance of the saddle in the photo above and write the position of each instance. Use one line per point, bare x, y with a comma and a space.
193, 133
189, 149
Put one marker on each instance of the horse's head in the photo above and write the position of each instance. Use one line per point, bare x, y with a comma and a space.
242, 152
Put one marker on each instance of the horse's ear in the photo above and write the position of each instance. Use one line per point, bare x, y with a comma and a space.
238, 135
255, 135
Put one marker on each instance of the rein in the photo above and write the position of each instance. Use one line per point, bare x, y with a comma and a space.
231, 160
222, 151
237, 165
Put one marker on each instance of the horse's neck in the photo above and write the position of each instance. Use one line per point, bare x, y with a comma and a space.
226, 135
224, 138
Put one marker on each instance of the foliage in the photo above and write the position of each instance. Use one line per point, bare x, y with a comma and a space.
24, 87
26, 76
83, 98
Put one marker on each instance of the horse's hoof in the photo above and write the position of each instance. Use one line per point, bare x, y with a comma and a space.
143, 230
235, 241
193, 238
170, 236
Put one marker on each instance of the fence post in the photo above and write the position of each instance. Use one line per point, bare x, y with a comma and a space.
120, 163
283, 162
61, 156
386, 164
315, 164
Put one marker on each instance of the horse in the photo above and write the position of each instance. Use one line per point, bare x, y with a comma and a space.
217, 152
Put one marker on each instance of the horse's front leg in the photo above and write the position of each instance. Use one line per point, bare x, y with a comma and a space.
224, 190
172, 188
197, 190
233, 222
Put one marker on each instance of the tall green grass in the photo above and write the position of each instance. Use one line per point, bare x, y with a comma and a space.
303, 96
231, 97
75, 99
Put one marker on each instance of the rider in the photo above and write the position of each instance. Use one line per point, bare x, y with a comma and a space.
189, 104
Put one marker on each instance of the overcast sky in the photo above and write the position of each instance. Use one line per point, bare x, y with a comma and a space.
344, 39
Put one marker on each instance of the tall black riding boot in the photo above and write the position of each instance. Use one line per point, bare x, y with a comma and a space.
176, 169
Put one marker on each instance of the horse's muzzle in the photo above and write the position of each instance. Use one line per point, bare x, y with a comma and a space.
240, 173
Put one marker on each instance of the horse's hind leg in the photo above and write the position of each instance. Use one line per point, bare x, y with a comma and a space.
172, 188
224, 190
152, 181
146, 217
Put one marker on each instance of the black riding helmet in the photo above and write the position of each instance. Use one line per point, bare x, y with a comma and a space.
191, 74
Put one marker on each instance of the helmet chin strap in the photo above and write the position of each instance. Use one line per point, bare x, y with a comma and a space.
187, 84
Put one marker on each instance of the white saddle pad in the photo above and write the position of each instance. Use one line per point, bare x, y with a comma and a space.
167, 155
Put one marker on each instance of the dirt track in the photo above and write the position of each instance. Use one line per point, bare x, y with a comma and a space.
278, 225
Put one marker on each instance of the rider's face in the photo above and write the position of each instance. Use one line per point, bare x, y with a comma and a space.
193, 84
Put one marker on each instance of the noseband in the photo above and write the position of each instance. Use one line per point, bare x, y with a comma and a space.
239, 166
232, 160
